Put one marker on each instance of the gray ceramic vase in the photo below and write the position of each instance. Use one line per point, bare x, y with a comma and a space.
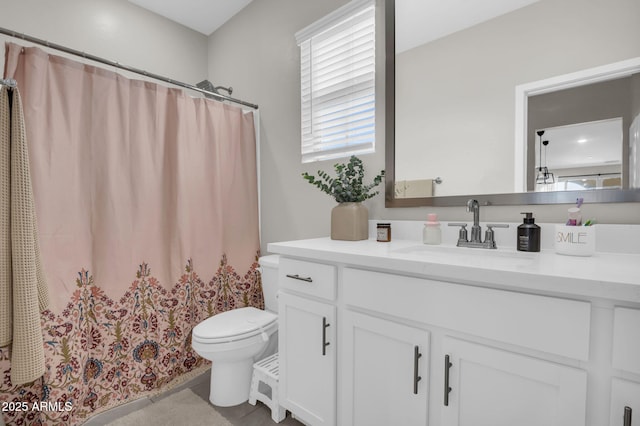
350, 222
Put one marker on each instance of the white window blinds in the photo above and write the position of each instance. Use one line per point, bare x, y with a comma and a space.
337, 70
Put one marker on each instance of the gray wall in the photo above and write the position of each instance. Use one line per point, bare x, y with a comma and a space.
113, 29
635, 97
256, 53
594, 102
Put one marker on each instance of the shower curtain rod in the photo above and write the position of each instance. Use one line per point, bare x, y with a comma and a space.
122, 67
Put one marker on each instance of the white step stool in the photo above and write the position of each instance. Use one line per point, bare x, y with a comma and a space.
266, 371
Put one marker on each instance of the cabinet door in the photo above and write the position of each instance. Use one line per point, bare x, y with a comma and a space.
625, 403
385, 372
307, 348
492, 387
626, 345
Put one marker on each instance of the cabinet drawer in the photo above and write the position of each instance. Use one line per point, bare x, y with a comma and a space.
626, 345
314, 279
549, 324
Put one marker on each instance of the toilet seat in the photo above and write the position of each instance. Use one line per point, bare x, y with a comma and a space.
237, 324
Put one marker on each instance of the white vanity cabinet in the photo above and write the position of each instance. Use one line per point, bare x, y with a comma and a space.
625, 394
386, 381
484, 386
527, 340
626, 339
489, 386
625, 403
307, 340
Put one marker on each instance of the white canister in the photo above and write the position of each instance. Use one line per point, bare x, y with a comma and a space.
575, 240
432, 234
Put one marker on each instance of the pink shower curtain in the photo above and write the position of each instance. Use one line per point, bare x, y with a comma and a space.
146, 201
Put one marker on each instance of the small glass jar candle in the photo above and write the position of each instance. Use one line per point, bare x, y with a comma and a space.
384, 232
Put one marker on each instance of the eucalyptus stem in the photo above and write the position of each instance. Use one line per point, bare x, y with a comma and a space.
347, 186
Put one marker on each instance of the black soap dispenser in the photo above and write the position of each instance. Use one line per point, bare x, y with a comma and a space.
528, 234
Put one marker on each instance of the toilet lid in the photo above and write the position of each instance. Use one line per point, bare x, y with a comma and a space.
236, 324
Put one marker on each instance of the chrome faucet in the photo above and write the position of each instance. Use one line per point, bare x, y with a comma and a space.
474, 206
476, 231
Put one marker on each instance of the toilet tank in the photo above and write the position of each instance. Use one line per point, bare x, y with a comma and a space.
269, 266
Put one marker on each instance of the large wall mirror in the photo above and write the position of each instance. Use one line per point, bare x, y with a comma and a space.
518, 102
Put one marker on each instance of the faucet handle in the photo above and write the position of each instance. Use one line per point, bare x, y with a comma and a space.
497, 225
488, 235
462, 235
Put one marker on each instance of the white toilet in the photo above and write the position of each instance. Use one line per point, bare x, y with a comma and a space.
235, 339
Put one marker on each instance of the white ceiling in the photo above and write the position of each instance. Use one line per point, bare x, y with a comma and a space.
417, 21
421, 21
204, 16
595, 143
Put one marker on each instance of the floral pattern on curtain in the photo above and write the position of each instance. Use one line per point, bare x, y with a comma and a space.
147, 209
102, 353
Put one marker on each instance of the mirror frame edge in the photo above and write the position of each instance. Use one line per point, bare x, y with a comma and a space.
523, 198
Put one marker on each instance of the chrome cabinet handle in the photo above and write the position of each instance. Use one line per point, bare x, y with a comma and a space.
416, 377
325, 324
298, 277
447, 389
627, 416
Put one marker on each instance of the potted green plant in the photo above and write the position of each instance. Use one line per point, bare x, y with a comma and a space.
349, 219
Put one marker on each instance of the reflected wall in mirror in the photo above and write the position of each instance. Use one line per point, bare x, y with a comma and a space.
579, 156
586, 130
454, 115
585, 126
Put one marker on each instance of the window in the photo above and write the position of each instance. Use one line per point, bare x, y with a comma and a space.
337, 70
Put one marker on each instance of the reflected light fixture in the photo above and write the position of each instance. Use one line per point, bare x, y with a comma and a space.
543, 175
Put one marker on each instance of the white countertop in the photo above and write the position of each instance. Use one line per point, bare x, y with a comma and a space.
614, 276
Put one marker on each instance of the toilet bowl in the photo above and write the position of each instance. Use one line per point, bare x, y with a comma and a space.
235, 339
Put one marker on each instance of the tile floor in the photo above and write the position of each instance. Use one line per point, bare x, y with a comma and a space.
240, 415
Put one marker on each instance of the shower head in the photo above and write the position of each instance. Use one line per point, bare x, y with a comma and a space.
206, 85
209, 87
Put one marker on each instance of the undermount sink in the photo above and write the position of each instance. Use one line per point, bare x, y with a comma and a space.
449, 251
